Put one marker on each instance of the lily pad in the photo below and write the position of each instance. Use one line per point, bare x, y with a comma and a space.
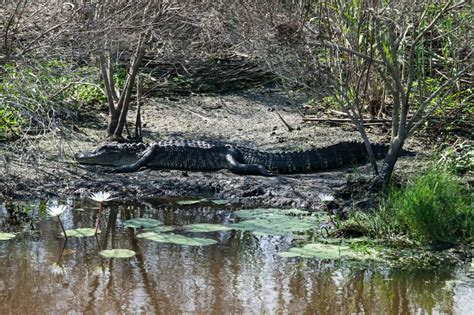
191, 202
117, 253
316, 250
219, 201
142, 223
206, 227
268, 213
161, 229
288, 254
6, 236
330, 251
279, 225
176, 239
81, 232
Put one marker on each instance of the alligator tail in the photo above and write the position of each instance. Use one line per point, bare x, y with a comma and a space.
330, 157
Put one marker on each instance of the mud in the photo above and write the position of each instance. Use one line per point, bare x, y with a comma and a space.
251, 119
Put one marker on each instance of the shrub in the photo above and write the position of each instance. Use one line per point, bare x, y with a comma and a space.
434, 208
37, 95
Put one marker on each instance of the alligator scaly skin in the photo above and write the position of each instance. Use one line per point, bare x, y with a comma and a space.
205, 156
330, 157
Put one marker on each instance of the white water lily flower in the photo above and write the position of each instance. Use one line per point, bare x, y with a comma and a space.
101, 196
326, 197
56, 211
57, 269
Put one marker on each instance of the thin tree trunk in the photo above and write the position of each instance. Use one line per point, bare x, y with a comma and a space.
389, 162
127, 91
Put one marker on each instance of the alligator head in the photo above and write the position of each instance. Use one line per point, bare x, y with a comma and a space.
113, 154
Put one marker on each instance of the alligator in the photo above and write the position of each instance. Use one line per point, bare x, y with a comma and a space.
194, 155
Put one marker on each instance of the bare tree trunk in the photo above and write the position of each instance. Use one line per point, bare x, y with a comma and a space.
130, 82
390, 160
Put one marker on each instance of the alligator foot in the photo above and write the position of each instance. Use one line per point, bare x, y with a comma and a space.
246, 169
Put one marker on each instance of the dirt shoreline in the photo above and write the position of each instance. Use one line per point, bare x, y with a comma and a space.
249, 119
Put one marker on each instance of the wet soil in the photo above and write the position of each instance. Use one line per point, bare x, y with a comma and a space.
47, 168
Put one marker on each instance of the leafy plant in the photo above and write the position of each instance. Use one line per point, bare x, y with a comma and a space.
176, 239
80, 232
89, 94
117, 253
6, 236
435, 208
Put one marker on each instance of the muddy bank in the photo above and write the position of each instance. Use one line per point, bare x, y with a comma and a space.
251, 119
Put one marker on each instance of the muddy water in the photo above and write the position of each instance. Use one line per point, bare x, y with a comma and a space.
42, 274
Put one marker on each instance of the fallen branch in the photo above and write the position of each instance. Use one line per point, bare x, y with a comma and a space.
284, 122
344, 120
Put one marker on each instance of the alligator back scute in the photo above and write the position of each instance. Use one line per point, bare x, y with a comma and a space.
330, 157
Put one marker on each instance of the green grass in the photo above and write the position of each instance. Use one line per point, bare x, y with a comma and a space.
433, 208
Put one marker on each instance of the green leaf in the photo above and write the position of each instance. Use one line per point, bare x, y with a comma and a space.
161, 229
269, 212
176, 239
117, 253
81, 232
279, 225
330, 251
6, 236
288, 254
142, 223
206, 227
219, 201
191, 202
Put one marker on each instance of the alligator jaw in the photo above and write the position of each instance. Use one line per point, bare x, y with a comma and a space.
107, 157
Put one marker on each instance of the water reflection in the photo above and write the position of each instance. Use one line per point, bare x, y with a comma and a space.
240, 274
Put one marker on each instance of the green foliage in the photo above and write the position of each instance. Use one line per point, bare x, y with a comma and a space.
206, 227
117, 253
435, 208
41, 92
10, 121
274, 221
458, 157
6, 236
89, 94
147, 223
176, 239
81, 232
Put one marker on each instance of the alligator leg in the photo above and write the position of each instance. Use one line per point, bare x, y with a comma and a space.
246, 169
142, 161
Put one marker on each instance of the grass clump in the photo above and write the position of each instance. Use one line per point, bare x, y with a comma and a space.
433, 208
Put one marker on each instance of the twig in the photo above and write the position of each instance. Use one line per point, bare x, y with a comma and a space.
290, 129
192, 112
344, 120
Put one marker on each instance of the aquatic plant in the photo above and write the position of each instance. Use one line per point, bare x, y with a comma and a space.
100, 197
117, 253
206, 227
56, 211
176, 239
6, 236
274, 221
326, 197
81, 232
137, 223
57, 269
433, 208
